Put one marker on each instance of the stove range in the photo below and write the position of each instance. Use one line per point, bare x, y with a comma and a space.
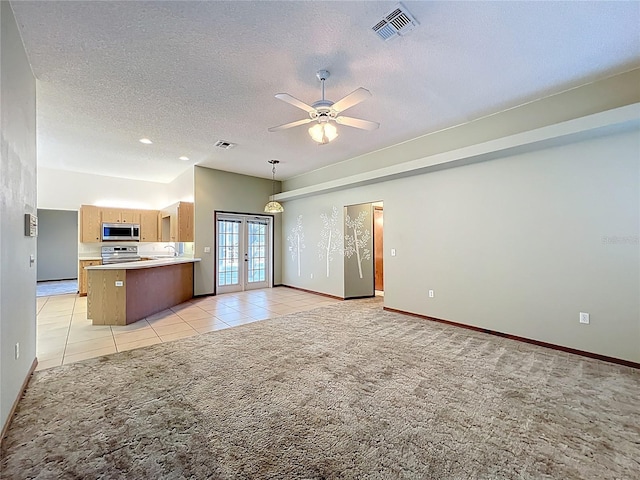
117, 254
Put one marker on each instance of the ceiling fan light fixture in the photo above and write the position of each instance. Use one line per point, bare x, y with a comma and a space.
325, 111
323, 133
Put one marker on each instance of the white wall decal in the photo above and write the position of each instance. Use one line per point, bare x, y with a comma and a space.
330, 237
296, 241
357, 243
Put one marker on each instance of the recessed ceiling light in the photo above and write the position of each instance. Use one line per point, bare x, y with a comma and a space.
183, 158
146, 141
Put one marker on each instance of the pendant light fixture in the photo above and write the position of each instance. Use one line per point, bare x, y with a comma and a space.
272, 206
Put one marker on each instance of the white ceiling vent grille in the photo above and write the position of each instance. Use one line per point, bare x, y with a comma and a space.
396, 23
224, 145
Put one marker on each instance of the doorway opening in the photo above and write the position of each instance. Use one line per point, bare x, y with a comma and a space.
57, 252
378, 248
244, 252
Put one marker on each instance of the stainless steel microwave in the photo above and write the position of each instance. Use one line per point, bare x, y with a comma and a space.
121, 232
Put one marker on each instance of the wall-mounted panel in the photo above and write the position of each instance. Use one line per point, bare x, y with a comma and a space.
358, 251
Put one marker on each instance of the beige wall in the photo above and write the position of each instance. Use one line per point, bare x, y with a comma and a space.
180, 189
216, 190
519, 244
65, 190
17, 197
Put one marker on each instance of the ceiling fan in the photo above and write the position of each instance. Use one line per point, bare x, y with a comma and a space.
324, 112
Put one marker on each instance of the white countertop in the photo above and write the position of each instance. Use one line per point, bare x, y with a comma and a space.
160, 262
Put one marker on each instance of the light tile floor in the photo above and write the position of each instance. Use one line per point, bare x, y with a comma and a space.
64, 335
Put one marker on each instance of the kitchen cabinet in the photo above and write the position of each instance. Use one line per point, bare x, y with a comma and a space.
82, 275
90, 224
185, 222
119, 215
124, 293
149, 220
92, 217
177, 223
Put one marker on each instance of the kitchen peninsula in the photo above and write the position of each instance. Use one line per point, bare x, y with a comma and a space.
123, 293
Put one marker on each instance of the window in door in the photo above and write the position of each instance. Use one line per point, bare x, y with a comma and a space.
243, 252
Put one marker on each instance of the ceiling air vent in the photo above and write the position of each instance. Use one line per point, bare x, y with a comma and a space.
396, 23
224, 145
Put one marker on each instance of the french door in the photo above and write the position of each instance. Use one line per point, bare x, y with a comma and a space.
243, 252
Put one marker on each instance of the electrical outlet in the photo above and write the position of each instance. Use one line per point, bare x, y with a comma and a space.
312, 275
17, 350
430, 293
393, 252
119, 283
584, 317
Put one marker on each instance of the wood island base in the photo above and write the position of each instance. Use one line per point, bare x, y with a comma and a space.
123, 296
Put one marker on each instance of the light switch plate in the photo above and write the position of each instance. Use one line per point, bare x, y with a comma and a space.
393, 252
207, 249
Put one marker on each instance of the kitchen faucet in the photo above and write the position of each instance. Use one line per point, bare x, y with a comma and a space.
175, 252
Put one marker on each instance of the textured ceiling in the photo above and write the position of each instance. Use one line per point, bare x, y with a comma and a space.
187, 74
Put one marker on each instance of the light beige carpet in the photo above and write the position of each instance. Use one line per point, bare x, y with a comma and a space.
342, 392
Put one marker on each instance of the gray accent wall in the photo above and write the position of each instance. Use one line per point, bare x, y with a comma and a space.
17, 197
216, 190
520, 244
57, 244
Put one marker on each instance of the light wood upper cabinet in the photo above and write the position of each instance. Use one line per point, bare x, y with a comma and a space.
90, 224
149, 220
177, 223
119, 215
110, 215
185, 222
92, 218
130, 216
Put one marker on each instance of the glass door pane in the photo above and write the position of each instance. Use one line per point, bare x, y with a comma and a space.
229, 255
257, 254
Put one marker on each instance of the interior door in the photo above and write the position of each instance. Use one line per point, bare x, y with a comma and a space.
243, 252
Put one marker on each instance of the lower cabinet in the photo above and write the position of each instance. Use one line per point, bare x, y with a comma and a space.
82, 275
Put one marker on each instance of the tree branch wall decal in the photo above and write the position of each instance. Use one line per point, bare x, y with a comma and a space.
356, 243
330, 237
296, 241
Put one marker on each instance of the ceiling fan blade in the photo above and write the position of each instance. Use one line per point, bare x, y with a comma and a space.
285, 97
354, 98
290, 125
357, 123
